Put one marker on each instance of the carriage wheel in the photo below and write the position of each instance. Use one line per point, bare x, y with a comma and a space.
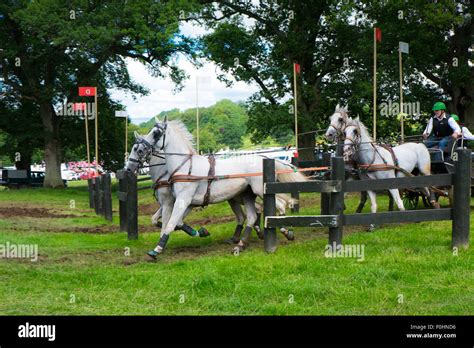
411, 199
426, 203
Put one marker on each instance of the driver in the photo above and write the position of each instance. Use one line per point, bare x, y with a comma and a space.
441, 128
466, 133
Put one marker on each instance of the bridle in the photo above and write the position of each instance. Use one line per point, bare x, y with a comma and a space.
355, 141
339, 130
150, 148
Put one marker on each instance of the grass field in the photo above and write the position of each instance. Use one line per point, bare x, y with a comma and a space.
83, 269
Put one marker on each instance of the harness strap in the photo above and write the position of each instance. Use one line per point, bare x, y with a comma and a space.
187, 158
390, 149
161, 183
212, 171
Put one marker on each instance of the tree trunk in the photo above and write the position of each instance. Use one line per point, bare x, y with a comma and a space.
25, 160
464, 105
306, 145
52, 148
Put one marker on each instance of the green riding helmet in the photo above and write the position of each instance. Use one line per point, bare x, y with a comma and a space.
455, 117
439, 106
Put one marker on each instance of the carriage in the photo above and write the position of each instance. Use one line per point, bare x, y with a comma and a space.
441, 163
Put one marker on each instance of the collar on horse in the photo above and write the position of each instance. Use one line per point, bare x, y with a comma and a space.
174, 177
371, 167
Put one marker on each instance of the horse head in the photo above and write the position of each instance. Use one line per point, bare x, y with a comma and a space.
145, 145
352, 137
338, 122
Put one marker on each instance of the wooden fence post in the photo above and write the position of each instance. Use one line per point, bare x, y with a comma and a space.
461, 204
107, 197
336, 204
97, 200
325, 196
296, 206
90, 188
269, 205
132, 206
122, 197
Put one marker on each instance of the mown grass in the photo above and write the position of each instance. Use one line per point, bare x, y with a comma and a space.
408, 269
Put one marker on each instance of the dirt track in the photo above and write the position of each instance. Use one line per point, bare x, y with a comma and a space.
12, 211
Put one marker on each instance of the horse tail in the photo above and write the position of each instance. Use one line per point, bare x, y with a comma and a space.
423, 160
293, 176
285, 202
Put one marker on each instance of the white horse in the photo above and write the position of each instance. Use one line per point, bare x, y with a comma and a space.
176, 141
335, 133
164, 195
359, 145
338, 122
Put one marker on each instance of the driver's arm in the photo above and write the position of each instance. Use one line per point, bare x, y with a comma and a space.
467, 134
456, 129
428, 129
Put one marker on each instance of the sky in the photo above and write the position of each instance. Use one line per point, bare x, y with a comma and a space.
161, 97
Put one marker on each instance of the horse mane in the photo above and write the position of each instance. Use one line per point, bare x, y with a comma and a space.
362, 127
181, 130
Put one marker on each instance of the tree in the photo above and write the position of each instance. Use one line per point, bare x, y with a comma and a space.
440, 35
333, 42
53, 47
224, 123
317, 35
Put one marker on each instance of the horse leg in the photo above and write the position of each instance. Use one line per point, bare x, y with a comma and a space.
424, 166
239, 214
396, 196
249, 202
155, 219
179, 208
281, 207
390, 203
202, 232
373, 208
256, 226
363, 200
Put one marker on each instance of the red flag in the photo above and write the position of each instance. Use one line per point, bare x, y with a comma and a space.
87, 91
79, 106
378, 34
297, 68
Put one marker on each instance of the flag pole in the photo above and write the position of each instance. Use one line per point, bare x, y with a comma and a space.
96, 135
197, 116
126, 138
375, 85
401, 93
87, 139
296, 107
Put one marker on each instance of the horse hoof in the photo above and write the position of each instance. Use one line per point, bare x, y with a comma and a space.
259, 232
371, 228
435, 205
238, 249
203, 232
290, 235
153, 254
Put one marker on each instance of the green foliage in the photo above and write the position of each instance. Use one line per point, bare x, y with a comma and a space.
221, 125
333, 43
65, 45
